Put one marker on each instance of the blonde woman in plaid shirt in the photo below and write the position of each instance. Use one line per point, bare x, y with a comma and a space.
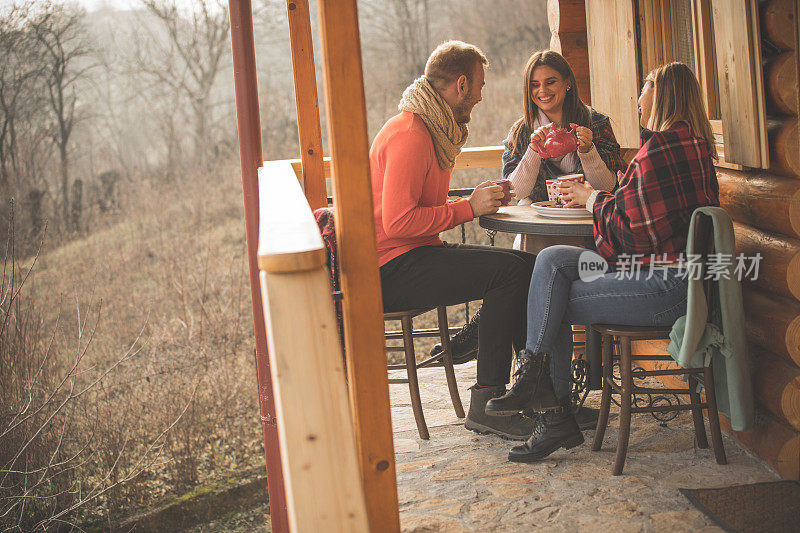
671, 175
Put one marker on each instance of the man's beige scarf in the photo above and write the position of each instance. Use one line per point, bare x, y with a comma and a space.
448, 136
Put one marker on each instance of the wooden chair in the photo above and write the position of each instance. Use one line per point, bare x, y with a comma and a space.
622, 336
443, 359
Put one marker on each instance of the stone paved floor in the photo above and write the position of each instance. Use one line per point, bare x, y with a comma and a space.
461, 481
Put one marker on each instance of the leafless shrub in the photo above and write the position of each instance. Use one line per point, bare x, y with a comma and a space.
50, 415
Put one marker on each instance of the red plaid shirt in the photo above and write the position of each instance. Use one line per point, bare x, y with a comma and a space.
649, 213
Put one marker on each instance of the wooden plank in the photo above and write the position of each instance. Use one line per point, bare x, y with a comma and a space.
360, 281
478, 157
740, 83
567, 20
761, 98
667, 51
615, 86
305, 93
249, 127
645, 23
704, 55
318, 448
481, 157
319, 452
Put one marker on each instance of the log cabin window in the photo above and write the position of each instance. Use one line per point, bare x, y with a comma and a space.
708, 35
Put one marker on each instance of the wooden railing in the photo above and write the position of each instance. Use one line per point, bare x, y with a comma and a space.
320, 462
478, 157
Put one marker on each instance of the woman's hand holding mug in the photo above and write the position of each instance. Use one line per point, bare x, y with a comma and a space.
574, 193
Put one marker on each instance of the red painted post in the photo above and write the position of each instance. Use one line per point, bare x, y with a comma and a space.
249, 124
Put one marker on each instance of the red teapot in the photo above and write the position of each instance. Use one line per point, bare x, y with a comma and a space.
559, 142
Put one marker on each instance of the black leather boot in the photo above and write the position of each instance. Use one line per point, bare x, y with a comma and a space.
464, 344
532, 389
554, 429
516, 427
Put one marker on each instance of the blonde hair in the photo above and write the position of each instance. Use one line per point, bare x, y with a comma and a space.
451, 60
677, 98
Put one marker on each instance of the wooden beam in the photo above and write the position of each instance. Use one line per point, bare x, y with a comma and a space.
478, 157
305, 93
249, 125
773, 323
779, 270
358, 258
780, 23
318, 448
784, 136
782, 86
704, 55
771, 203
567, 20
611, 28
667, 50
772, 440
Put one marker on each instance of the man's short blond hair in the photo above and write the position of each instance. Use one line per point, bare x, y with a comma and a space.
452, 60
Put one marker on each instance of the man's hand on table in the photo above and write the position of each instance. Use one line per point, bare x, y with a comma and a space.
485, 199
574, 193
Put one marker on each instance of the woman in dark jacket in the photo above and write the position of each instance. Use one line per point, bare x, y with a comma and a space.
550, 100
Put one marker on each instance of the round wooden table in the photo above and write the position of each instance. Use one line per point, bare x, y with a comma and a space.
538, 232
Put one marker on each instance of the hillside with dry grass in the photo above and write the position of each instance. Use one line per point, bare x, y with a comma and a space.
160, 301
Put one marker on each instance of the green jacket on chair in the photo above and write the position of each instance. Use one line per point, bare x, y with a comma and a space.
698, 338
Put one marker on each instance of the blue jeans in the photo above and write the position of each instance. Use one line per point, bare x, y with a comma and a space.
559, 298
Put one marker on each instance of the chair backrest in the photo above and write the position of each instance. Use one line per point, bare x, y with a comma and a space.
327, 228
704, 245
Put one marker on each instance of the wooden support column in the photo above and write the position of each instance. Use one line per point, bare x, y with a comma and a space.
355, 230
567, 20
249, 125
305, 93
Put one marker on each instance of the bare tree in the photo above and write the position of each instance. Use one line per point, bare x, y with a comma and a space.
403, 29
189, 59
64, 54
21, 97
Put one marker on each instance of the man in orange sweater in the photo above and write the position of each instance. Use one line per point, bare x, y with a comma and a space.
411, 161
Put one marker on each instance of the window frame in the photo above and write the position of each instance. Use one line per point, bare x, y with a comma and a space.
655, 39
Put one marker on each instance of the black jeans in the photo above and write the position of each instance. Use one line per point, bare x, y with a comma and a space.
430, 276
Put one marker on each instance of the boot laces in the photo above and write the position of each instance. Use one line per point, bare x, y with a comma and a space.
539, 428
467, 334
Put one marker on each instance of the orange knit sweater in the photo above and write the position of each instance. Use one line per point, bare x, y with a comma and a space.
409, 189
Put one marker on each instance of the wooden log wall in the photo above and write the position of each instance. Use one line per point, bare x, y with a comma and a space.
765, 207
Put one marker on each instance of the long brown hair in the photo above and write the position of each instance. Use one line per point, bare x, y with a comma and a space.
677, 98
574, 110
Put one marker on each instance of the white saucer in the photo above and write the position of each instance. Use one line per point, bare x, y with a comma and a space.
546, 209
